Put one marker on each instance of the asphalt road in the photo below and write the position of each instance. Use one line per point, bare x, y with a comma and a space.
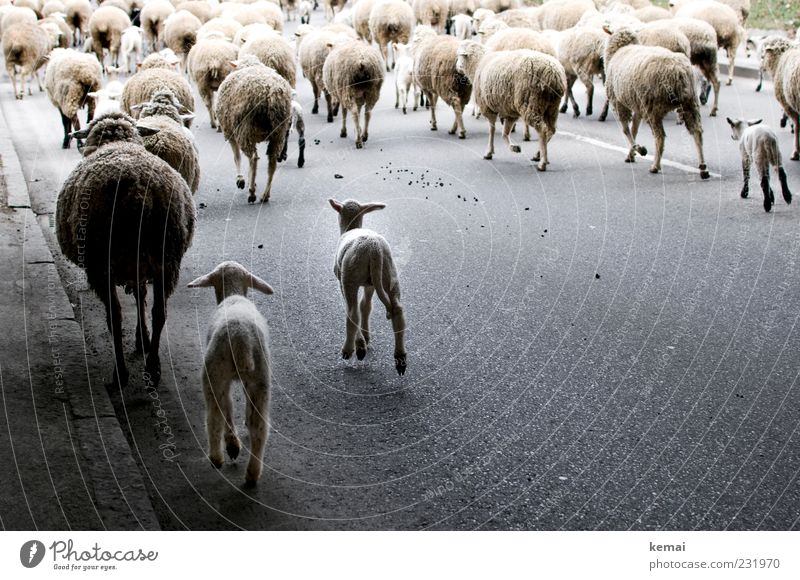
593, 347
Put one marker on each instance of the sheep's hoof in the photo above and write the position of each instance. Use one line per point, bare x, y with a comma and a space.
537, 157
602, 117
704, 174
462, 135
65, 144
240, 182
654, 169
526, 137
487, 156
713, 113
784, 120
787, 196
359, 145
400, 363
729, 82
265, 197
250, 481
232, 449
563, 108
576, 113
642, 150
433, 128
219, 129
343, 133
745, 193
588, 111
364, 137
767, 204
361, 352
397, 105
315, 109
795, 156
152, 370
251, 198
330, 118
346, 355
216, 462
414, 109
516, 149
404, 110
541, 166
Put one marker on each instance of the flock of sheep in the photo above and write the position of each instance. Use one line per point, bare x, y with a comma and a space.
514, 62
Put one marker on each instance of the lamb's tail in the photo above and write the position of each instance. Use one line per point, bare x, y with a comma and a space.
376, 274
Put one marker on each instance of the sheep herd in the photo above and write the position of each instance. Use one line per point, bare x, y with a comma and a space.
513, 60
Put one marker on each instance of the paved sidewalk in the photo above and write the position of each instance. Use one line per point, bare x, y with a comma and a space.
66, 463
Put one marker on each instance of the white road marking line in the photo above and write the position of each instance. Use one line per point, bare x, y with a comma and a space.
604, 145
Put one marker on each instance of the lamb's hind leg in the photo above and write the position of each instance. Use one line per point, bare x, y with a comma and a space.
746, 174
350, 293
257, 393
362, 341
492, 119
215, 389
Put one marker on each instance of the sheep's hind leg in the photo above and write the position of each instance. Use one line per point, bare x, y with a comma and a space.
67, 123
114, 322
432, 98
237, 161
507, 125
159, 315
492, 119
214, 417
251, 176
769, 196
541, 155
232, 442
272, 164
256, 419
787, 195
796, 152
142, 334
458, 124
356, 113
658, 132
746, 174
399, 327
367, 117
343, 132
362, 341
694, 127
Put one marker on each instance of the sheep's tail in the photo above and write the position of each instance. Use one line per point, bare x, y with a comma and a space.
376, 274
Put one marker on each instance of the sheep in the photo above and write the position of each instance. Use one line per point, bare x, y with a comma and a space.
353, 75
78, 14
200, 8
53, 7
131, 45
106, 100
330, 8
364, 259
480, 16
516, 38
652, 13
758, 143
226, 27
165, 59
116, 179
173, 142
490, 27
290, 8
304, 10
725, 22
210, 61
390, 21
516, 84
663, 33
25, 47
69, 80
703, 48
106, 26
141, 87
270, 13
404, 77
275, 52
180, 34
462, 26
152, 19
740, 7
16, 15
361, 12
245, 33
254, 104
782, 61
431, 12
314, 50
498, 6
645, 83
57, 30
562, 14
437, 76
237, 350
581, 52
467, 7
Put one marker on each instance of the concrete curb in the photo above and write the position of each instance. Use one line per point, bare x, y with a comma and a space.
109, 478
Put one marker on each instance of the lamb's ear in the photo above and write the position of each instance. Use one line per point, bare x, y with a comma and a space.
754, 122
730, 121
201, 282
259, 284
234, 63
93, 94
146, 131
368, 207
187, 117
335, 204
607, 28
82, 134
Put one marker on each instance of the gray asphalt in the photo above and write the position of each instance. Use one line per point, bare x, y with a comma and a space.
593, 347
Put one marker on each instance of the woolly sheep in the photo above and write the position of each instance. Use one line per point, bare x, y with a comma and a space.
152, 18
117, 179
25, 48
106, 100
227, 27
782, 61
364, 260
314, 50
165, 59
275, 52
331, 6
645, 83
581, 52
200, 8
70, 78
141, 87
245, 33
467, 7
703, 48
740, 7
131, 45
480, 16
431, 12
663, 33
361, 11
254, 104
237, 350
489, 28
758, 143
210, 61
57, 30
390, 21
498, 6
652, 13
78, 14
404, 77
53, 7
516, 38
353, 75
180, 34
520, 18
563, 14
106, 26
462, 26
725, 22
173, 142
516, 84
17, 15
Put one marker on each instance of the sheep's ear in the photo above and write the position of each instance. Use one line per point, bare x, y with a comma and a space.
259, 284
754, 122
234, 63
93, 94
82, 134
201, 282
335, 204
607, 29
730, 121
368, 207
146, 131
187, 117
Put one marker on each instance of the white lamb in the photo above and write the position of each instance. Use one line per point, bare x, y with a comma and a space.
131, 44
462, 26
238, 349
758, 143
364, 259
404, 76
304, 9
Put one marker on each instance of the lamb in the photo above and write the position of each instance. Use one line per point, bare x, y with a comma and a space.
304, 10
432, 13
364, 259
331, 6
353, 75
516, 84
78, 14
180, 34
210, 61
703, 47
238, 350
298, 125
254, 104
106, 100
436, 74
462, 26
173, 142
70, 78
782, 61
25, 48
165, 59
361, 12
57, 29
725, 22
760, 144
152, 19
275, 52
581, 52
106, 26
131, 45
390, 21
404, 77
117, 179
645, 83
141, 87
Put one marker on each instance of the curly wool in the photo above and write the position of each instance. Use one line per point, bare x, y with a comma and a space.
180, 32
153, 17
431, 12
517, 38
275, 52
25, 45
106, 26
391, 21
663, 33
562, 14
69, 78
173, 146
141, 87
435, 70
210, 62
361, 12
353, 75
200, 8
